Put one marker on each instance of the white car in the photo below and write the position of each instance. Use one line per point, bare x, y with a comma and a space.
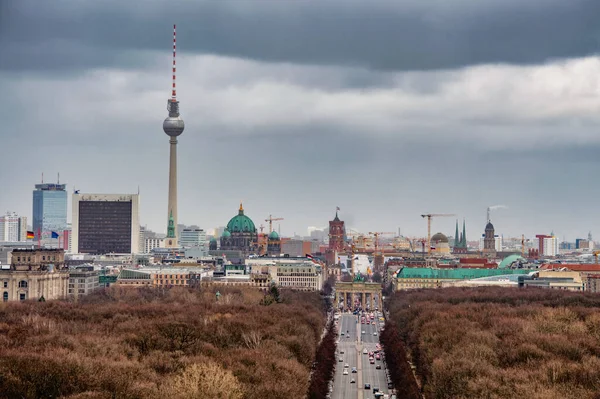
346, 366
363, 332
365, 351
375, 333
345, 372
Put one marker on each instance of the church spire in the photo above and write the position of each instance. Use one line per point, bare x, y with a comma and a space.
457, 241
241, 212
464, 235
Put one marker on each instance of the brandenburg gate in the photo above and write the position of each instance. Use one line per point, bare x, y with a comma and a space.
368, 294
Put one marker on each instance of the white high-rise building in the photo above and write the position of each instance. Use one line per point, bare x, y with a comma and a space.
550, 246
191, 238
13, 227
153, 242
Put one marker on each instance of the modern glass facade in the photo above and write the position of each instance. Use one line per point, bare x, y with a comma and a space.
49, 209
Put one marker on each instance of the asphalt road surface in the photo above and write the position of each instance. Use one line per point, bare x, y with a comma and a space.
352, 344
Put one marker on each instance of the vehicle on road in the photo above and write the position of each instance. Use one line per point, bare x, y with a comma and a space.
354, 370
363, 332
345, 372
352, 381
378, 367
341, 351
367, 386
341, 359
375, 333
346, 366
365, 351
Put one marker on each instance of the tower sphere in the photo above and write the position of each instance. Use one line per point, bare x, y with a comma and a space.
173, 126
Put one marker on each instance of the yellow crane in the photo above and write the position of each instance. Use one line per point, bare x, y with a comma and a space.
429, 216
595, 253
523, 241
271, 219
376, 234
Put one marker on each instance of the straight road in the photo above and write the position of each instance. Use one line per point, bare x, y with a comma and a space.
352, 344
342, 387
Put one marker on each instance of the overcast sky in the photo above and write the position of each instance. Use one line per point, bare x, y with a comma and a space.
387, 109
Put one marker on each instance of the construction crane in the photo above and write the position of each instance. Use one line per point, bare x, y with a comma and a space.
376, 234
595, 253
429, 216
271, 219
523, 241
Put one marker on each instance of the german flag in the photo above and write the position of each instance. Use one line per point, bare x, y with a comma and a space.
30, 235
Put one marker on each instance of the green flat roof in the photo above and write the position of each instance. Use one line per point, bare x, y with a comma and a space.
454, 274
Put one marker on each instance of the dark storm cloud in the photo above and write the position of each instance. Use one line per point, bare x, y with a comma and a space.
394, 35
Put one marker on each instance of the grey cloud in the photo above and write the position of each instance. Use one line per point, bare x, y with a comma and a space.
384, 35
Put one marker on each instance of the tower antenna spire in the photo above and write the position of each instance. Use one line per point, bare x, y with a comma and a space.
174, 88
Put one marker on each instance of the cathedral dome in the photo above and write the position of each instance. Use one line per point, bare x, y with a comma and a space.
241, 223
226, 234
439, 237
273, 235
213, 239
489, 226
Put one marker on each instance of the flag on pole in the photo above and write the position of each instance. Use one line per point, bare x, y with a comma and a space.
30, 235
54, 234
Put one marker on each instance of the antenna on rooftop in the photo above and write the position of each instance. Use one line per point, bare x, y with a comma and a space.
58, 178
174, 89
42, 177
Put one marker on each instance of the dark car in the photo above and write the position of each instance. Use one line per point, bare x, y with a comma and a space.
367, 386
378, 367
390, 385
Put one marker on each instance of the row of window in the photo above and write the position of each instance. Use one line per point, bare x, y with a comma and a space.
22, 284
22, 296
28, 259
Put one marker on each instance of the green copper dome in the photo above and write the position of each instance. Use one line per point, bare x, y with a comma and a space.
213, 239
226, 234
241, 223
273, 235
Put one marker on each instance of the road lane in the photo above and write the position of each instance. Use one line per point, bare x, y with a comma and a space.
347, 343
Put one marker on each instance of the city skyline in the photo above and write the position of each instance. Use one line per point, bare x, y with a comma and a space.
296, 130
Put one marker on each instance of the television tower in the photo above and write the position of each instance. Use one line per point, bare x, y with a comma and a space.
173, 127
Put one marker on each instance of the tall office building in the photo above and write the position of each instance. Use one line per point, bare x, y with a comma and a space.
190, 238
13, 227
173, 126
105, 223
49, 209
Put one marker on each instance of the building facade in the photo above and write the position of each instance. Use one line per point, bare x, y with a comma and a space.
38, 274
240, 234
49, 209
191, 238
295, 273
489, 241
105, 223
13, 227
83, 280
337, 234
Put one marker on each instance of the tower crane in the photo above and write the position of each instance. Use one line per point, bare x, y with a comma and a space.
523, 241
429, 216
271, 219
376, 234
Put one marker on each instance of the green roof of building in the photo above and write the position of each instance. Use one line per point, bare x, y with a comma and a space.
455, 274
241, 223
508, 260
226, 234
273, 235
213, 239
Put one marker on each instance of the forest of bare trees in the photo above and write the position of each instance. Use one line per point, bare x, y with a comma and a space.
177, 343
501, 342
